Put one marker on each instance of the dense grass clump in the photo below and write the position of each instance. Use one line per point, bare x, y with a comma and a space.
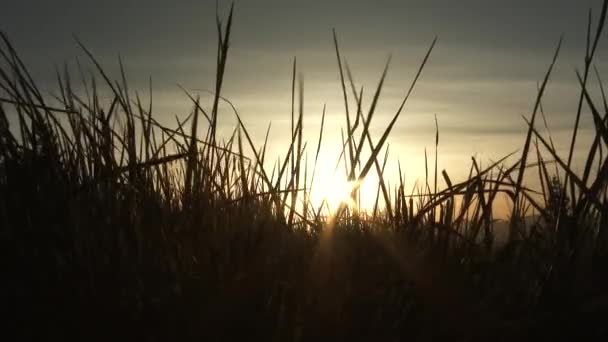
114, 226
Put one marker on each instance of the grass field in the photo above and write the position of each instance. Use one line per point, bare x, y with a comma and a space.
114, 226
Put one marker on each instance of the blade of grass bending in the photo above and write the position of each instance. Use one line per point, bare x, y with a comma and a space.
524, 157
588, 60
344, 157
192, 153
366, 134
568, 171
543, 116
486, 206
522, 169
142, 165
194, 102
531, 201
601, 84
541, 177
257, 157
600, 129
595, 146
436, 148
293, 96
243, 176
447, 193
381, 171
375, 152
426, 175
263, 155
314, 168
359, 98
349, 132
224, 43
542, 113
104, 75
299, 160
602, 132
19, 62
401, 198
305, 199
359, 116
287, 157
290, 154
199, 141
368, 121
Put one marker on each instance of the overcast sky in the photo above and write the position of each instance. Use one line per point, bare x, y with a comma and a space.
480, 79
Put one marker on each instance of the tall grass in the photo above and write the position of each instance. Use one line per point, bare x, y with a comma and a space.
115, 226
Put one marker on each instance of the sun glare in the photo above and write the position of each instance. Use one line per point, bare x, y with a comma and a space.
332, 189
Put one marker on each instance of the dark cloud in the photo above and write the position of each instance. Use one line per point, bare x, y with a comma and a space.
160, 28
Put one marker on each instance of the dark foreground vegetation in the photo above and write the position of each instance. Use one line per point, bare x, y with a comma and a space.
114, 227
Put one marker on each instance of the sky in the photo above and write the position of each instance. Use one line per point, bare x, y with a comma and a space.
481, 77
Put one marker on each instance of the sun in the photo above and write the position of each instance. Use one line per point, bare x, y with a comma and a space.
332, 189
